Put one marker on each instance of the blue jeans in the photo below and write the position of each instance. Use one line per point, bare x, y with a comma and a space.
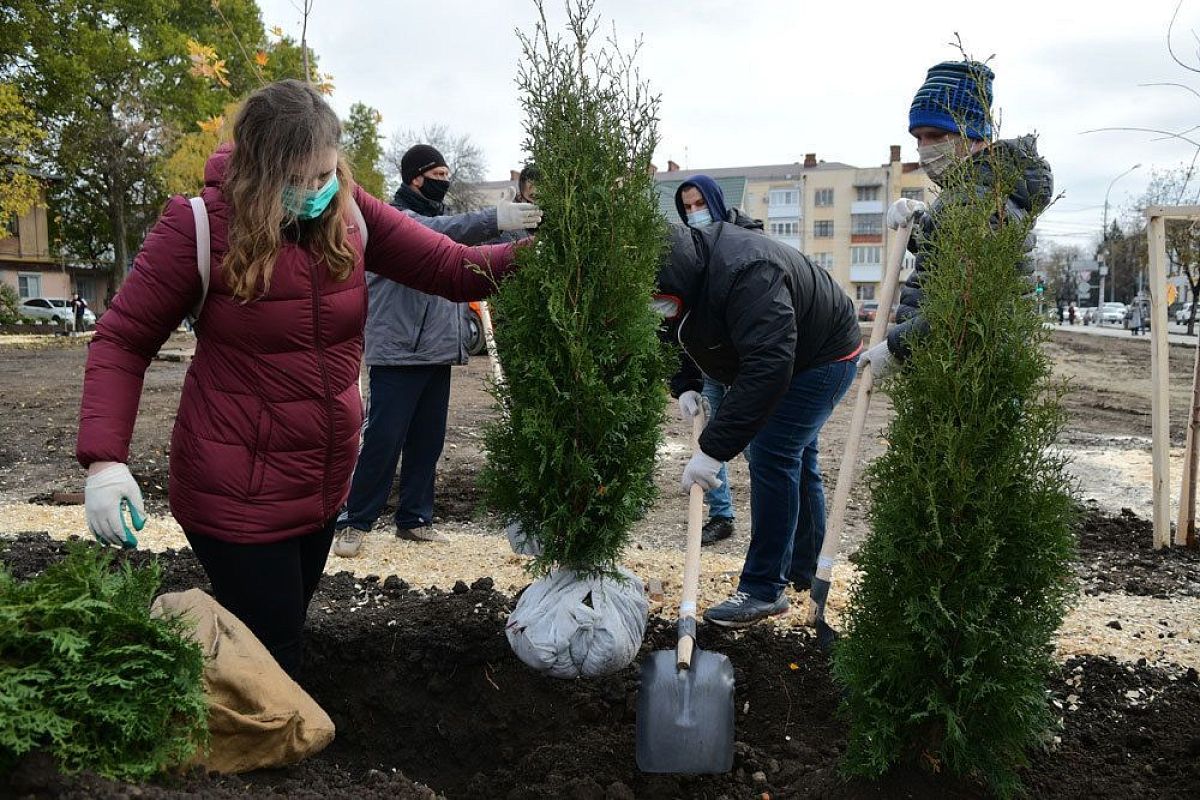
406, 417
787, 499
720, 504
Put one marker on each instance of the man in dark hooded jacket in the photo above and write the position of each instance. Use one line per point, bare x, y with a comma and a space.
760, 318
699, 201
951, 121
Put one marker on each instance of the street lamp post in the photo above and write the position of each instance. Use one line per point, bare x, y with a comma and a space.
1104, 269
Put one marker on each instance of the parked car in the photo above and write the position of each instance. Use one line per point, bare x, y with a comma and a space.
476, 343
1112, 314
1183, 314
53, 309
868, 310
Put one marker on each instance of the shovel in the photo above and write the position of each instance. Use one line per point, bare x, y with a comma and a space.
819, 594
685, 703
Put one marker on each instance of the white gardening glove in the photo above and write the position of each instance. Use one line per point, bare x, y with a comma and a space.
690, 403
702, 470
518, 216
881, 361
106, 495
901, 212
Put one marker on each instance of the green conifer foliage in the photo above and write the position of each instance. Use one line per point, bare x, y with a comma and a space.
572, 459
87, 675
966, 574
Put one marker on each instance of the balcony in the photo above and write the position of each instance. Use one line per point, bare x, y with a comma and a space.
783, 211
866, 273
866, 207
793, 242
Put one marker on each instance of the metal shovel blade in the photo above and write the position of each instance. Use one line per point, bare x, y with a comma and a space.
685, 716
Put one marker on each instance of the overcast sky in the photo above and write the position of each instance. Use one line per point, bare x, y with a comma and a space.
768, 81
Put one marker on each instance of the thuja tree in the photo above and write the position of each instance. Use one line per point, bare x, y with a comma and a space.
572, 457
965, 576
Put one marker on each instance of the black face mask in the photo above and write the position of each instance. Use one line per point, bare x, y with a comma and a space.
434, 189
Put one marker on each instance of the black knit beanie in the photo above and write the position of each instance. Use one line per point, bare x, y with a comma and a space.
419, 159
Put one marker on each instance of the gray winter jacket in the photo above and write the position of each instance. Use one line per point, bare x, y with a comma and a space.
406, 327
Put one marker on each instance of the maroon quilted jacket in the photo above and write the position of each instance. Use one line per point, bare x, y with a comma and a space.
267, 430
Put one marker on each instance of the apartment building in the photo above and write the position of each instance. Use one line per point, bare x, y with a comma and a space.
831, 211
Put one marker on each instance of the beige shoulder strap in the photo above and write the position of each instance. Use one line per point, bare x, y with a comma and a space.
203, 252
362, 223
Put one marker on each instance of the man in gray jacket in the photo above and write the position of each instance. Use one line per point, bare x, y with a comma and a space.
412, 339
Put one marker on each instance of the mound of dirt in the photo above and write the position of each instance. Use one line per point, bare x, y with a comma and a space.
423, 689
1116, 554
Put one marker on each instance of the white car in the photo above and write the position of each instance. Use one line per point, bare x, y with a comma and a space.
1112, 314
53, 309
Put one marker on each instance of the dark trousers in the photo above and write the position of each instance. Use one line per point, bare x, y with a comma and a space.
268, 586
787, 496
406, 424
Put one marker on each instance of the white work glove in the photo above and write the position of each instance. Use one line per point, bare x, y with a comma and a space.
881, 361
690, 403
518, 216
702, 470
105, 496
900, 213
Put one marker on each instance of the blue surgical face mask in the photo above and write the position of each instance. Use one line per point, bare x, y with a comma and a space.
309, 204
700, 219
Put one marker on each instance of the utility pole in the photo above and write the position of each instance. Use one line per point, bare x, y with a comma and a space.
1105, 241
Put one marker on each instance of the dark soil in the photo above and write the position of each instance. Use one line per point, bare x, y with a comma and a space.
1116, 554
424, 686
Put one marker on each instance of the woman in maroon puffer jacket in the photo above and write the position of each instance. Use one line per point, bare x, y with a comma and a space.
267, 430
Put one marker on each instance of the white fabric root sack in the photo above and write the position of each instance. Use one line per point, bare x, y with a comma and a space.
523, 544
568, 626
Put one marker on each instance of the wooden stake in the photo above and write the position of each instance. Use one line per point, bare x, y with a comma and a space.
1159, 377
1185, 528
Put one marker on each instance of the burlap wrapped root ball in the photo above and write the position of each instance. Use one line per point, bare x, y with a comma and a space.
569, 626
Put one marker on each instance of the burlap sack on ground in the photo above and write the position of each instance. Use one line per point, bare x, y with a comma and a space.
258, 716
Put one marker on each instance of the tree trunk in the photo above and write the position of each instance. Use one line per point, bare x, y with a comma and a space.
1191, 328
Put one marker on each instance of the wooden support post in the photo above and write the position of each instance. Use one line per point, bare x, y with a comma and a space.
1159, 376
1185, 528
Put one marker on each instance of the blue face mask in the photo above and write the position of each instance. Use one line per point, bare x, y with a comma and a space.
309, 204
700, 219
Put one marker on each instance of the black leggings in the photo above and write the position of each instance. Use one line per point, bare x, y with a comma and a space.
268, 586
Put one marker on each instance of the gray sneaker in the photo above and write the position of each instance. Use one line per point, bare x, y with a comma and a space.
742, 610
348, 542
425, 533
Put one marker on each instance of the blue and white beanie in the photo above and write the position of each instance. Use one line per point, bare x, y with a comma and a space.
952, 99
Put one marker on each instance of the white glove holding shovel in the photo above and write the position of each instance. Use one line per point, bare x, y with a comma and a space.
900, 213
109, 491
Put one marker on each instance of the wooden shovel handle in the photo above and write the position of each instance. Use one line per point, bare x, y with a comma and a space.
691, 562
846, 473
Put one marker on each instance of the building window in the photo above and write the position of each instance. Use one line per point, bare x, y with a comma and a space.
860, 256
823, 229
824, 260
785, 228
13, 226
29, 285
783, 197
823, 197
864, 291
866, 194
913, 194
867, 224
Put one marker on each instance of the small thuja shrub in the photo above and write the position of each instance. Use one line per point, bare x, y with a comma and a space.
572, 459
966, 574
88, 676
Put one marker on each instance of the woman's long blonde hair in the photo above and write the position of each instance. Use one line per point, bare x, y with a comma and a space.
278, 132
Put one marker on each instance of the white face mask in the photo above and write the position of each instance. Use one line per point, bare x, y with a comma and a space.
937, 158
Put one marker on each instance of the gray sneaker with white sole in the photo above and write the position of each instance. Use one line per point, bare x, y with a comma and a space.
348, 542
742, 610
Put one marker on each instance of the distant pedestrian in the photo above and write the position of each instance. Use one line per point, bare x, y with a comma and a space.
1071, 313
1136, 319
79, 306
